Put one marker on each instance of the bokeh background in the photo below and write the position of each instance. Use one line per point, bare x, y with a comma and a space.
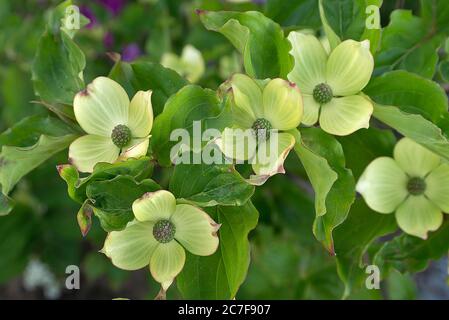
40, 238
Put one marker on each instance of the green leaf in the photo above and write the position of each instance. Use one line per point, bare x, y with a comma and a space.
191, 103
112, 200
164, 82
76, 187
57, 69
338, 202
15, 162
401, 286
347, 19
444, 70
436, 13
415, 51
261, 41
333, 174
122, 73
300, 13
6, 204
352, 239
145, 76
57, 15
210, 185
219, 276
365, 145
332, 37
414, 127
408, 253
27, 131
410, 92
319, 171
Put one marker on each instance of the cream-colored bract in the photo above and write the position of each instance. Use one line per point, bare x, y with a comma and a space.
384, 182
280, 103
189, 65
346, 70
135, 247
101, 107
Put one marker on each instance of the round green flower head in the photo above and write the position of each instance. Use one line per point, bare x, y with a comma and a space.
116, 128
331, 83
414, 184
158, 236
261, 112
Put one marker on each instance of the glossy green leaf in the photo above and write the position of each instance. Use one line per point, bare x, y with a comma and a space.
348, 19
410, 92
261, 41
219, 276
76, 186
436, 13
319, 171
210, 185
415, 52
112, 200
353, 238
333, 174
57, 69
162, 81
365, 145
15, 162
191, 103
303, 13
27, 131
415, 127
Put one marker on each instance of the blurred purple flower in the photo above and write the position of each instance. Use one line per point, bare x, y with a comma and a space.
86, 11
114, 6
108, 40
131, 52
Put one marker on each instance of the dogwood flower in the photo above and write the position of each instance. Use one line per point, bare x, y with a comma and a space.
414, 184
116, 128
261, 113
189, 65
158, 235
331, 84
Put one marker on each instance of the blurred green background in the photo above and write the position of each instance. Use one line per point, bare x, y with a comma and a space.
40, 238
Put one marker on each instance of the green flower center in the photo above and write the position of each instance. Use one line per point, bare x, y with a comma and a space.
121, 135
322, 93
261, 128
164, 231
416, 186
